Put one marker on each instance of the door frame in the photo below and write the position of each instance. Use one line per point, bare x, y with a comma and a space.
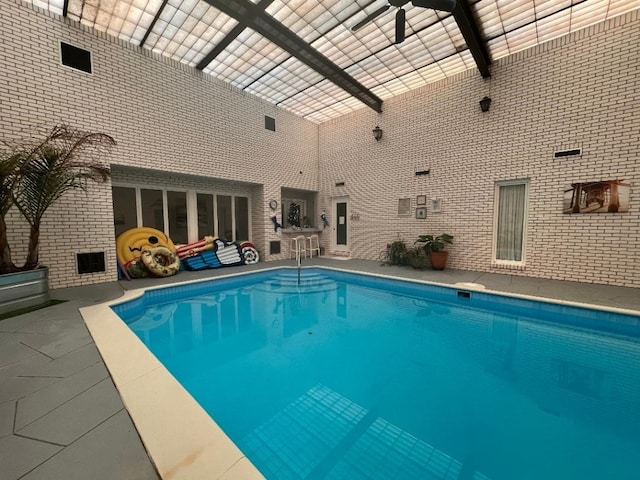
334, 232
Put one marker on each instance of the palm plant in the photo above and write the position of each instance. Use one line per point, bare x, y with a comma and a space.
8, 175
40, 172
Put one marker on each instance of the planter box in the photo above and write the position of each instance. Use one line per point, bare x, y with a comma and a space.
23, 289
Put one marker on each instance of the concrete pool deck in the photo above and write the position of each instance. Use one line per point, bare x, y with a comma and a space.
62, 417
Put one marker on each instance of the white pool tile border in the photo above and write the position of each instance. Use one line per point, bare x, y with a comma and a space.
187, 443
182, 440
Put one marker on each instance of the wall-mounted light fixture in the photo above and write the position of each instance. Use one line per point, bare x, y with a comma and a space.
377, 133
485, 103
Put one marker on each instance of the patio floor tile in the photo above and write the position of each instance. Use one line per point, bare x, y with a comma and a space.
19, 455
77, 416
111, 451
34, 406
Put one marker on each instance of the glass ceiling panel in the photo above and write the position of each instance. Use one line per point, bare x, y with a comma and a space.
187, 30
554, 26
54, 6
127, 20
284, 81
247, 58
514, 25
589, 13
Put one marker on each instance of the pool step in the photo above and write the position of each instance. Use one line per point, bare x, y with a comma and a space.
288, 283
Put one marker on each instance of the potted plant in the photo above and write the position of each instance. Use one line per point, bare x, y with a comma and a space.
418, 258
34, 174
398, 254
434, 247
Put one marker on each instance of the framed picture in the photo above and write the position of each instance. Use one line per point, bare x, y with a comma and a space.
404, 206
436, 205
421, 200
421, 212
604, 196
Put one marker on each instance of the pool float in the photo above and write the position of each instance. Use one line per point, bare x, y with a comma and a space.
223, 254
249, 253
193, 248
161, 261
131, 243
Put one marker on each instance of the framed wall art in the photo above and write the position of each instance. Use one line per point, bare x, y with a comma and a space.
604, 196
404, 206
421, 212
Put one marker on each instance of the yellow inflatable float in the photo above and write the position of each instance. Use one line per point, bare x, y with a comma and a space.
145, 249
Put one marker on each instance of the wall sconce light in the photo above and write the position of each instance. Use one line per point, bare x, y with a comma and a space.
377, 133
485, 103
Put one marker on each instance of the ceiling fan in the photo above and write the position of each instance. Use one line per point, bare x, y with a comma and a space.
443, 5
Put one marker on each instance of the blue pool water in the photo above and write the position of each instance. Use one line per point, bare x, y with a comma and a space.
353, 377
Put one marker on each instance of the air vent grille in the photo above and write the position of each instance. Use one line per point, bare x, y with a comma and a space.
75, 57
92, 262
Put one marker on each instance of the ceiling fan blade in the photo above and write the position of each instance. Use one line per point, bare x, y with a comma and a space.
401, 18
370, 17
443, 5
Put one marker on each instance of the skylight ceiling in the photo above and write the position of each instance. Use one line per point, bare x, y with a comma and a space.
204, 37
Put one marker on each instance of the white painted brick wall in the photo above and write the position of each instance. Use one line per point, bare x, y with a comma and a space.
164, 116
580, 90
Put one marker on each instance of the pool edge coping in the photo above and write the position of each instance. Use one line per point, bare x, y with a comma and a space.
149, 391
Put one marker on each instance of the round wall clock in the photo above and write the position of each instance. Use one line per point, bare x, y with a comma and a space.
273, 204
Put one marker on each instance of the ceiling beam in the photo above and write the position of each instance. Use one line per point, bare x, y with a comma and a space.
153, 23
472, 36
229, 37
255, 18
65, 8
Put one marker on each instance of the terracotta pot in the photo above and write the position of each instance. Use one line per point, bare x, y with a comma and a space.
438, 260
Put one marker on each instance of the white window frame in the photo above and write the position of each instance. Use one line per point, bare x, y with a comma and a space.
192, 207
494, 247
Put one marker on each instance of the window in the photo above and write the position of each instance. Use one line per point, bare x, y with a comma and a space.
177, 208
124, 209
225, 222
184, 216
152, 209
242, 218
205, 215
510, 222
294, 212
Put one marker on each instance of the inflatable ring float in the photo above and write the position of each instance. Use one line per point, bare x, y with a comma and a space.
249, 253
161, 261
131, 243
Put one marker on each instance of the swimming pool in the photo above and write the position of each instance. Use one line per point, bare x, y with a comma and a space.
320, 382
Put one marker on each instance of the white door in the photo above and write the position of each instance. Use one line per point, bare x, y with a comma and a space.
339, 224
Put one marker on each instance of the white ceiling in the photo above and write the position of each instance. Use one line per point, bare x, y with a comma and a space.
187, 30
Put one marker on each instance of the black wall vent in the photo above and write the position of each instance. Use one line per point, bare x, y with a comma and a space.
422, 172
75, 57
462, 294
339, 184
274, 247
90, 262
270, 123
568, 153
